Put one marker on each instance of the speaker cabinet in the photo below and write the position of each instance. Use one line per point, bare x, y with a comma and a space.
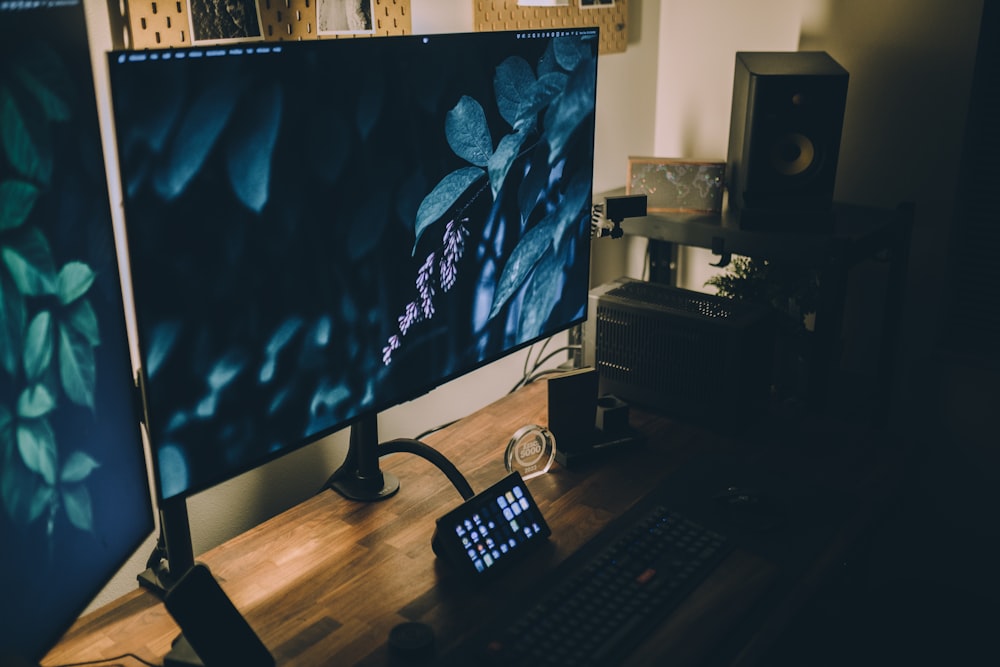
784, 138
695, 356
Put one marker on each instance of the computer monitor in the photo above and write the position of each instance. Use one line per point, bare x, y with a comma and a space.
320, 230
75, 501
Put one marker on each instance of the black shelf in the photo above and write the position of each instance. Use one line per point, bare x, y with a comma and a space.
833, 242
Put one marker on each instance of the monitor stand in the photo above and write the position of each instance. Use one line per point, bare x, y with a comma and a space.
174, 553
181, 654
359, 477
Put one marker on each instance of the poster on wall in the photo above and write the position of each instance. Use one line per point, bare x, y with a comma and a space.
224, 21
596, 4
344, 17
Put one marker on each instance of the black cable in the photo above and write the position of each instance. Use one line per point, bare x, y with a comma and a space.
411, 446
528, 379
105, 661
435, 429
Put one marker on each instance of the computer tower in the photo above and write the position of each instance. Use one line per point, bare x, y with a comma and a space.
694, 356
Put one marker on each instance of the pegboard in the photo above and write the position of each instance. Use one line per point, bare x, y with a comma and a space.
153, 24
508, 15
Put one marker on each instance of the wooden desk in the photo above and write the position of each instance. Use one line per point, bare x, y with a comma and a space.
324, 582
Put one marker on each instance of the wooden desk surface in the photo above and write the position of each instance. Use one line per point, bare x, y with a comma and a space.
325, 581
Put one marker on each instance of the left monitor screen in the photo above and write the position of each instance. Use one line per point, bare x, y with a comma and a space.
74, 497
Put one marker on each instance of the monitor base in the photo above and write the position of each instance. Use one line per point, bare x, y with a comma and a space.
181, 655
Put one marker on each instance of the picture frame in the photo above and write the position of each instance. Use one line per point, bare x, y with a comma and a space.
677, 185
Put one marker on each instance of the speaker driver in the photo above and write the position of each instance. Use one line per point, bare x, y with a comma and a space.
792, 154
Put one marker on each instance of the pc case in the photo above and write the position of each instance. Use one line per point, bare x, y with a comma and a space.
694, 356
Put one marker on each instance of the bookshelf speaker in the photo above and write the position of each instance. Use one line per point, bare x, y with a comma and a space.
784, 137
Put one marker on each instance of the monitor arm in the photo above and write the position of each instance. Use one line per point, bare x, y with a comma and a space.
360, 478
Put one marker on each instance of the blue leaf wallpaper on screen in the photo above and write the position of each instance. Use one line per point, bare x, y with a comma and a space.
321, 229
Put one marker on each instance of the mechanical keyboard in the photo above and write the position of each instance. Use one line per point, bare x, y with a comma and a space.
601, 602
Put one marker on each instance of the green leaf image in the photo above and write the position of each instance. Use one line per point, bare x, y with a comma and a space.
43, 74
443, 197
76, 500
25, 142
17, 199
37, 445
250, 145
542, 295
77, 468
513, 78
569, 52
29, 260
569, 109
73, 281
77, 367
13, 320
522, 261
38, 347
40, 501
18, 485
467, 132
81, 317
199, 130
501, 161
35, 401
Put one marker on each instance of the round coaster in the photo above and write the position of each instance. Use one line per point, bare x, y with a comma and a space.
530, 451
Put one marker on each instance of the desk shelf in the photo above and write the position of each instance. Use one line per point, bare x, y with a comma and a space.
852, 234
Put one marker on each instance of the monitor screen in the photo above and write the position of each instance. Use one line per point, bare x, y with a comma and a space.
74, 497
320, 230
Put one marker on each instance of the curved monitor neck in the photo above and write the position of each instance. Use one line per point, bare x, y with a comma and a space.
360, 478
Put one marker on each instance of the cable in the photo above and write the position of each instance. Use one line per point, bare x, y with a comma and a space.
534, 375
411, 446
105, 661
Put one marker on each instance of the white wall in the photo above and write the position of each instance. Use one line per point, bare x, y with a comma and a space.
625, 91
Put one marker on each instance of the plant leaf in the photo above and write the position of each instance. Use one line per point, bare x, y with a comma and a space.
535, 181
569, 109
25, 140
250, 146
79, 511
510, 81
35, 401
543, 293
540, 96
17, 199
38, 346
37, 444
573, 205
73, 281
526, 254
43, 74
78, 467
77, 368
200, 128
40, 501
570, 51
443, 197
81, 317
29, 260
501, 161
13, 320
467, 132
